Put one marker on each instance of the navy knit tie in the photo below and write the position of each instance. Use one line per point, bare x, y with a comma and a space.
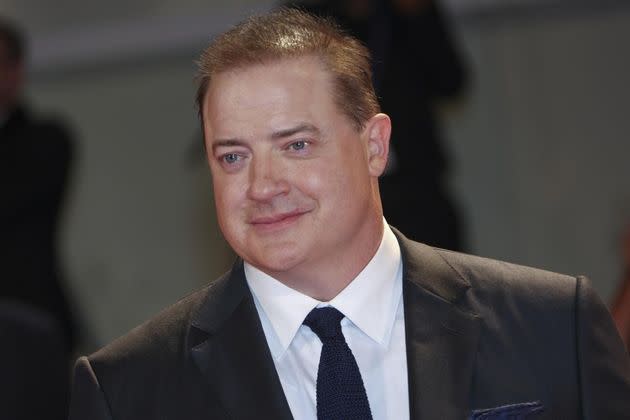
340, 391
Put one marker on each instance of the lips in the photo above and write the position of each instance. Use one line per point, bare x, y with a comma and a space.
276, 221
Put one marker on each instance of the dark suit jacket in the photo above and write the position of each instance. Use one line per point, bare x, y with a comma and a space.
480, 334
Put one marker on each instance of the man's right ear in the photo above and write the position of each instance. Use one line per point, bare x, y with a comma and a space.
378, 131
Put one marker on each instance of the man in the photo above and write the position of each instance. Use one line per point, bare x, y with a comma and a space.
35, 156
329, 313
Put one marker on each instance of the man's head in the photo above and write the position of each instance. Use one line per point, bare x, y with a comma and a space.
12, 52
295, 170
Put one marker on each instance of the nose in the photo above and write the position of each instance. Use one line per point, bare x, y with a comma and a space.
267, 179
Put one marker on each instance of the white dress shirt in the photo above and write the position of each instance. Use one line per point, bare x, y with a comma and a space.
374, 328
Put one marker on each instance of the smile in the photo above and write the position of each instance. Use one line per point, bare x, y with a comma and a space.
276, 222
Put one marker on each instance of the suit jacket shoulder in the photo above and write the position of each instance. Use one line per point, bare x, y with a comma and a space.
204, 357
155, 344
148, 372
516, 335
497, 285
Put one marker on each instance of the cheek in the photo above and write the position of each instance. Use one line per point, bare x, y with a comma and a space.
224, 199
317, 179
311, 181
331, 185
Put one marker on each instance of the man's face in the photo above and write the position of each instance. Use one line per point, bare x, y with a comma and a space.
295, 183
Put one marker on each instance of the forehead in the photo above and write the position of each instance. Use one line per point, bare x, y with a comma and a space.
290, 84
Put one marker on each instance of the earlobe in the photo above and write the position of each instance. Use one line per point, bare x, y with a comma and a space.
378, 130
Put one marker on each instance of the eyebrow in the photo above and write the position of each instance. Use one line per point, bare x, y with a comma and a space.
227, 143
303, 127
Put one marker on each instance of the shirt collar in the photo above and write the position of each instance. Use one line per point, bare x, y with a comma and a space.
378, 287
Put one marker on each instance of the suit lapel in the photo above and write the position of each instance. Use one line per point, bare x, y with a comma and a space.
229, 347
441, 334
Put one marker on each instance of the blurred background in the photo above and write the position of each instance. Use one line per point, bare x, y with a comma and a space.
538, 141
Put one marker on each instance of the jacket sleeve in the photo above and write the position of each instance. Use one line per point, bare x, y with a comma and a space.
604, 366
88, 401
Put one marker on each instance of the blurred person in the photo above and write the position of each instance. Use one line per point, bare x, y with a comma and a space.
621, 303
415, 67
35, 315
329, 312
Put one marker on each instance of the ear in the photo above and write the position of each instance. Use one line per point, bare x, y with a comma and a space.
377, 130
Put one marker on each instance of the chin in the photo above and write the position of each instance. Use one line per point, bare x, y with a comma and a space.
277, 261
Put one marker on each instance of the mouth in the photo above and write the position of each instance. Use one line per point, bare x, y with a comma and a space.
276, 221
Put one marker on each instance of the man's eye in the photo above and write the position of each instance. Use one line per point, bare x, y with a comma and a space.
298, 145
230, 157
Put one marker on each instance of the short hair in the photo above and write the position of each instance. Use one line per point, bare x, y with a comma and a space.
292, 33
13, 39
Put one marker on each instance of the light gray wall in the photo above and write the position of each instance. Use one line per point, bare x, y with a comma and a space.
43, 18
140, 226
540, 147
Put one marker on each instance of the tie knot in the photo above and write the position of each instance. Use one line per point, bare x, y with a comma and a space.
325, 322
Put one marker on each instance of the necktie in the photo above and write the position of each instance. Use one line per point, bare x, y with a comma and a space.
340, 390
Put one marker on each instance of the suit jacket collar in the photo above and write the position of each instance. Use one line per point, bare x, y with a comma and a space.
229, 346
441, 334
